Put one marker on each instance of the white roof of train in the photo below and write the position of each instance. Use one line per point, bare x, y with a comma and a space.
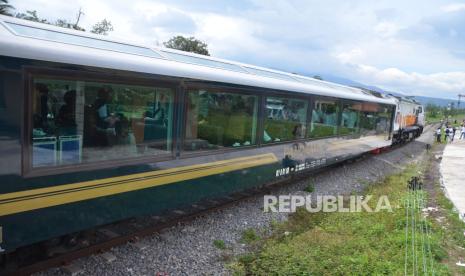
37, 41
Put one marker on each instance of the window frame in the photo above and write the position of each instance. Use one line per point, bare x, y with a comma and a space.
393, 118
338, 102
31, 73
298, 96
342, 103
283, 94
219, 89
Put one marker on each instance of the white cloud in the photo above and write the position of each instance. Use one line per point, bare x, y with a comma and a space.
448, 84
386, 29
306, 37
453, 7
226, 35
351, 56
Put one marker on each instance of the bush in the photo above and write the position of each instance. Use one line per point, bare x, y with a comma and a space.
220, 244
249, 235
310, 188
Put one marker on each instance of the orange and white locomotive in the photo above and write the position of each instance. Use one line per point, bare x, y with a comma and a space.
409, 120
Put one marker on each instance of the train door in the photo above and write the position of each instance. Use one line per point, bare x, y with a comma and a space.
421, 116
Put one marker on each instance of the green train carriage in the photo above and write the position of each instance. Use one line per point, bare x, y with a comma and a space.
95, 130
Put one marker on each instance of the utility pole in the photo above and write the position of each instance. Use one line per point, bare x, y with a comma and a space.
460, 96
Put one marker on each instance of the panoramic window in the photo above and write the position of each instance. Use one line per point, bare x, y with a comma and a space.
270, 74
375, 119
350, 118
80, 122
218, 120
285, 120
204, 61
324, 119
81, 40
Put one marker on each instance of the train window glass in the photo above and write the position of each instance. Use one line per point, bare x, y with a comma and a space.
324, 119
375, 119
204, 61
81, 40
285, 119
81, 122
217, 120
350, 118
310, 81
384, 122
270, 74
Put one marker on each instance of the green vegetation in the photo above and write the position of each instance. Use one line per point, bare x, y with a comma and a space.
456, 120
434, 114
451, 119
322, 130
219, 244
103, 27
226, 129
347, 243
348, 130
249, 236
310, 188
281, 129
5, 7
187, 44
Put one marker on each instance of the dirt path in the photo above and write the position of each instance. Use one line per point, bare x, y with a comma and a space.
441, 210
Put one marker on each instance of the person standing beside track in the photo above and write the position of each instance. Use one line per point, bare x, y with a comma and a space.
438, 135
447, 132
451, 134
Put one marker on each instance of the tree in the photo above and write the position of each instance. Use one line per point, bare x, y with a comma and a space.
102, 27
65, 24
187, 44
32, 16
433, 110
5, 8
317, 77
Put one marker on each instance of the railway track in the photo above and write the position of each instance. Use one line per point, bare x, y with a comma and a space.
62, 251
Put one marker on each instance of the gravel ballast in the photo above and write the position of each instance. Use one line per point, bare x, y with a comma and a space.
188, 248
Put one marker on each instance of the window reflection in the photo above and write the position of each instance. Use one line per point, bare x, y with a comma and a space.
350, 118
285, 119
218, 120
324, 119
375, 119
80, 122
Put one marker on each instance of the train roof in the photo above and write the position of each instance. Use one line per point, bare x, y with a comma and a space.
407, 99
38, 41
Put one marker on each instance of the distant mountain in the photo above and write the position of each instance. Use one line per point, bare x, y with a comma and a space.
352, 83
342, 81
422, 99
435, 101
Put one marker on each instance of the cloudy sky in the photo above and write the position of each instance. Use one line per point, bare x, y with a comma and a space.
414, 47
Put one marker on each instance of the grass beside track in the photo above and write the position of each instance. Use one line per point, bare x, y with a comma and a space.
439, 117
358, 243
